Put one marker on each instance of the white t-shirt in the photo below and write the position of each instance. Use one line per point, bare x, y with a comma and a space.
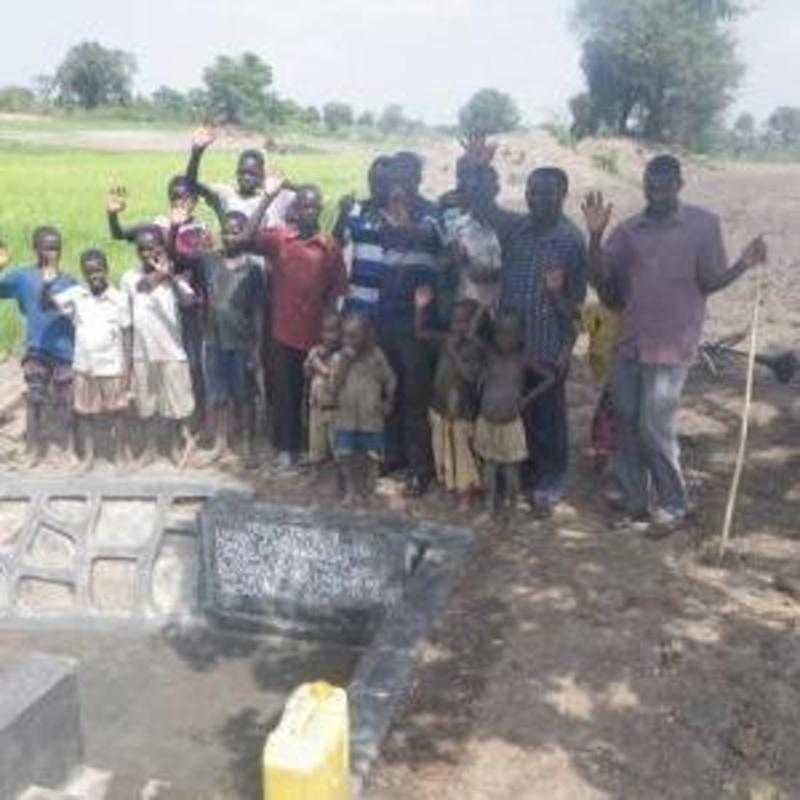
99, 321
482, 249
232, 201
156, 319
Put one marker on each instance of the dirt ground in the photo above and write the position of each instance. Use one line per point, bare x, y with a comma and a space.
579, 662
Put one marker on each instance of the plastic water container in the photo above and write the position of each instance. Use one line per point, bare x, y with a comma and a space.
307, 757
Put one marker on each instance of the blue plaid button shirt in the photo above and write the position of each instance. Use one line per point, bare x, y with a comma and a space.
527, 254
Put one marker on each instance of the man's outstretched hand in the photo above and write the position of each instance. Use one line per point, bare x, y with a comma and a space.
596, 212
117, 200
755, 253
4, 257
204, 137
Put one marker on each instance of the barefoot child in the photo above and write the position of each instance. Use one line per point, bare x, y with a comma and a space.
49, 339
455, 395
161, 380
499, 431
233, 284
364, 387
101, 368
321, 400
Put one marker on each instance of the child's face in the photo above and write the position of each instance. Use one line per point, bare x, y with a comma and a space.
149, 248
234, 227
460, 325
249, 176
95, 273
331, 333
306, 209
354, 336
48, 250
507, 336
180, 195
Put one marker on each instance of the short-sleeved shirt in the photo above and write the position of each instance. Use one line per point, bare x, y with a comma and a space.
235, 293
369, 382
363, 231
527, 254
48, 333
307, 277
231, 200
408, 264
482, 249
657, 268
155, 318
99, 321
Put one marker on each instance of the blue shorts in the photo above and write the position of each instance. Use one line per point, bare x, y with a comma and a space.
228, 375
359, 443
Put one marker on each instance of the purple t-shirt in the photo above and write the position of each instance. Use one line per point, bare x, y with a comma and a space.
657, 268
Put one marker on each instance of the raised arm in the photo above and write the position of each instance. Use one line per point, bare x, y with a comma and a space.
116, 203
202, 139
346, 205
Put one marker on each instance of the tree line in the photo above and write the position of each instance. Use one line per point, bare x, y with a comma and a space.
236, 90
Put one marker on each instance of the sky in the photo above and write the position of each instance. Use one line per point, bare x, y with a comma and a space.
427, 55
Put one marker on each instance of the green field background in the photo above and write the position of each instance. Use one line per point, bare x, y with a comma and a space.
67, 188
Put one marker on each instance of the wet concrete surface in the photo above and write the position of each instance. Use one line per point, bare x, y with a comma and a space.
190, 707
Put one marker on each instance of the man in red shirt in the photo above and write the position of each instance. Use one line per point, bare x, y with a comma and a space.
307, 276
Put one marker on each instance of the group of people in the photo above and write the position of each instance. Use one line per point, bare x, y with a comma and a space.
432, 338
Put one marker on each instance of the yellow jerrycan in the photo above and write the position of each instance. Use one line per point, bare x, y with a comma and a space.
307, 757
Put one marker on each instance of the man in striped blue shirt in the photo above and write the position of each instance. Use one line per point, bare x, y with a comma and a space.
396, 243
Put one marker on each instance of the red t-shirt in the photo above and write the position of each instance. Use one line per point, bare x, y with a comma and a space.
307, 275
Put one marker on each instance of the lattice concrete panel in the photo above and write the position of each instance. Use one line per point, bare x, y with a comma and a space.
102, 547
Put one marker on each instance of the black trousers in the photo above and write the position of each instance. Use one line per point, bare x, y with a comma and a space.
547, 434
288, 383
408, 433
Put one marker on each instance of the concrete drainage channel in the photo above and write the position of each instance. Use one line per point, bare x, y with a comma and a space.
163, 592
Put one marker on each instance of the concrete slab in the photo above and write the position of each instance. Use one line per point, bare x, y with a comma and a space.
40, 725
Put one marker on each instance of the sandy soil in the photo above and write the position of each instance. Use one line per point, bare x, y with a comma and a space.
578, 662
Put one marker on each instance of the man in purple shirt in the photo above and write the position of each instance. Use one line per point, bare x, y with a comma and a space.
657, 268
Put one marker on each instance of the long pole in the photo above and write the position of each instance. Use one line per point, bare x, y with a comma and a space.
748, 399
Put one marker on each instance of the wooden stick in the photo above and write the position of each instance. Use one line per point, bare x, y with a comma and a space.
748, 399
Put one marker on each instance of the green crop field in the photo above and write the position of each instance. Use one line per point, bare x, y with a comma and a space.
67, 188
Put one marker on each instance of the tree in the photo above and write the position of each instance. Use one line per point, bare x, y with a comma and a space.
16, 98
663, 69
392, 120
199, 103
784, 125
366, 119
167, 100
337, 115
91, 75
312, 115
237, 88
488, 112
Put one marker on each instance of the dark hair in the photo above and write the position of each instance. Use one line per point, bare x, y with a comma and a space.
252, 155
308, 187
551, 172
240, 216
407, 163
380, 161
151, 230
664, 165
359, 318
93, 254
181, 181
42, 231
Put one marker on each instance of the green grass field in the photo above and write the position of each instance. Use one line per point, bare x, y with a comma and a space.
67, 188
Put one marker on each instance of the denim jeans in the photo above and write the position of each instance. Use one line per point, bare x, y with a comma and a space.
646, 400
